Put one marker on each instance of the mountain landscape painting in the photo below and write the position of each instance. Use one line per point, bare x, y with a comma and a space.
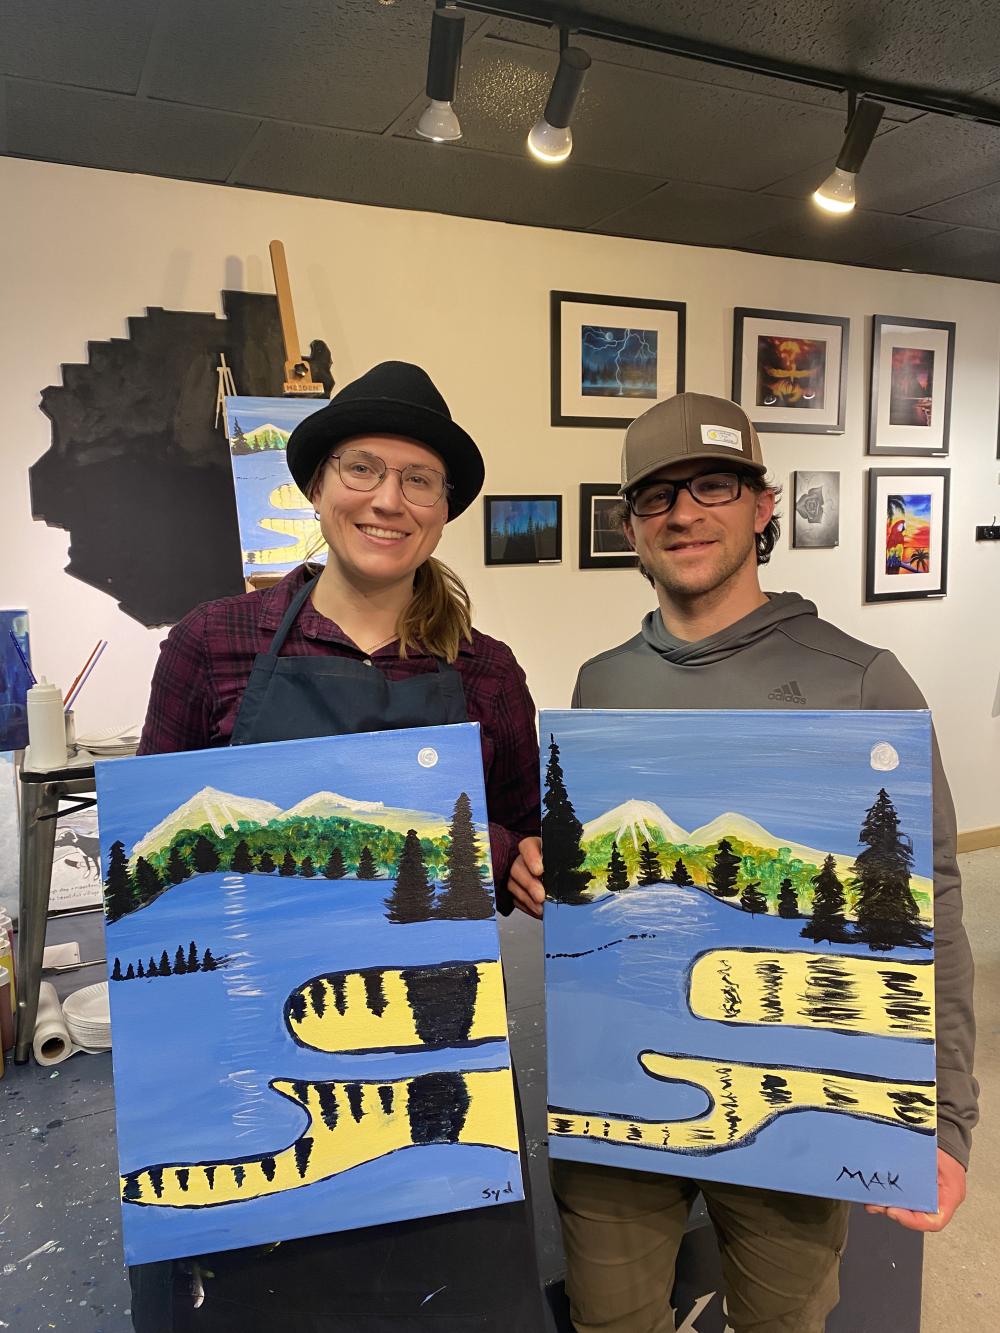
739, 947
278, 527
306, 995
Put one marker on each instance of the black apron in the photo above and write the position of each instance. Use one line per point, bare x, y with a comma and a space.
459, 1273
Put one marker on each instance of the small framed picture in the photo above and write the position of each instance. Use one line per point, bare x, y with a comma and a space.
522, 529
907, 552
603, 544
912, 366
613, 356
816, 521
790, 370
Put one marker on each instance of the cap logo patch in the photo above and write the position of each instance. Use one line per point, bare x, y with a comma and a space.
725, 435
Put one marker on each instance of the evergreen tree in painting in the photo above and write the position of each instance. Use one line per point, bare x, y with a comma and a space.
265, 863
367, 869
288, 866
724, 870
147, 882
180, 962
117, 887
130, 974
205, 857
335, 868
307, 868
116, 971
753, 901
650, 871
827, 921
140, 971
164, 968
681, 874
617, 879
192, 958
412, 897
565, 881
886, 911
465, 897
151, 969
208, 963
178, 869
788, 902
242, 861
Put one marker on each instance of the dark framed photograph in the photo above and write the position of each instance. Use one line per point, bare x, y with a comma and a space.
790, 370
816, 520
613, 356
907, 553
603, 544
522, 529
912, 367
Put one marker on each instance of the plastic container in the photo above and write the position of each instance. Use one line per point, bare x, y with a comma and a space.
6, 1013
46, 726
7, 953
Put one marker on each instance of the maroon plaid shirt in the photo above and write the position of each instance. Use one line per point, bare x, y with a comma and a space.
205, 664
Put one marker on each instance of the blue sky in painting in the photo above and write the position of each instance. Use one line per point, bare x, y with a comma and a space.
806, 776
285, 413
917, 506
136, 794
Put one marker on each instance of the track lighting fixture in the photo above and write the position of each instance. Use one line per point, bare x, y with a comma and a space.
439, 121
836, 194
551, 139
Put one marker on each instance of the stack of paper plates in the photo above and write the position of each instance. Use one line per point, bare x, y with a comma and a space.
88, 1016
116, 740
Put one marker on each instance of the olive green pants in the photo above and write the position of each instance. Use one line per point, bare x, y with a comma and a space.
622, 1230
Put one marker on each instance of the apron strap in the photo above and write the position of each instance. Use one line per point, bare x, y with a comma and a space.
288, 619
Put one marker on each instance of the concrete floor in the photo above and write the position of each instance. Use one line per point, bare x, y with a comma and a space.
60, 1256
961, 1273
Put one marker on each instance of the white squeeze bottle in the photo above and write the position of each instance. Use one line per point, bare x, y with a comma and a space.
46, 726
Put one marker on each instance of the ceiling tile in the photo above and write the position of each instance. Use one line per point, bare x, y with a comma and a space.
631, 120
99, 44
440, 178
914, 166
122, 133
959, 253
698, 215
862, 237
681, 67
978, 208
348, 63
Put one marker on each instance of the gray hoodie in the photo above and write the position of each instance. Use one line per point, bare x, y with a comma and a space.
783, 656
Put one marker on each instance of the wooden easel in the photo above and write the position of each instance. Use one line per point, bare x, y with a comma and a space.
298, 377
227, 389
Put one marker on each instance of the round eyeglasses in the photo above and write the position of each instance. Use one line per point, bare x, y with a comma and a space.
361, 471
708, 488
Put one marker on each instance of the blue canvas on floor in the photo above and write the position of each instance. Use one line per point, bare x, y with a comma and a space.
306, 997
278, 527
739, 947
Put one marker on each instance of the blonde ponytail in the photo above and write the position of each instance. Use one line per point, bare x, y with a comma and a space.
439, 615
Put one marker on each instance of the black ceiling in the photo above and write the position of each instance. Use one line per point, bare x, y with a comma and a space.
321, 99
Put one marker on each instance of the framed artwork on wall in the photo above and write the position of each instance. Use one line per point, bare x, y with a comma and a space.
603, 545
816, 520
613, 356
790, 370
912, 365
907, 553
522, 529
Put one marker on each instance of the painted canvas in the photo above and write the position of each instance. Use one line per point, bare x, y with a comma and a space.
14, 681
791, 372
617, 362
306, 995
278, 527
816, 521
522, 529
739, 948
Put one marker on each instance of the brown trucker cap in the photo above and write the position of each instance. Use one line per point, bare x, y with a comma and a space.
689, 427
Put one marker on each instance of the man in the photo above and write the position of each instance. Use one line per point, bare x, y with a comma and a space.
701, 519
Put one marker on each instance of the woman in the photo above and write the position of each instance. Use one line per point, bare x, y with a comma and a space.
380, 639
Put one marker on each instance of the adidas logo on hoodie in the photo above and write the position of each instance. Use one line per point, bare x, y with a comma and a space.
789, 693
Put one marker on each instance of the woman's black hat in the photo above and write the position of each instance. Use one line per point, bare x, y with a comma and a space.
394, 398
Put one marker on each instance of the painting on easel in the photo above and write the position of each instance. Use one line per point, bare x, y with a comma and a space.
278, 528
308, 1008
739, 948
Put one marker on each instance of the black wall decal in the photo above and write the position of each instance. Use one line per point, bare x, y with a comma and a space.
136, 471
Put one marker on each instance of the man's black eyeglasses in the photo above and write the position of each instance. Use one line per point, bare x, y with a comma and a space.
708, 488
